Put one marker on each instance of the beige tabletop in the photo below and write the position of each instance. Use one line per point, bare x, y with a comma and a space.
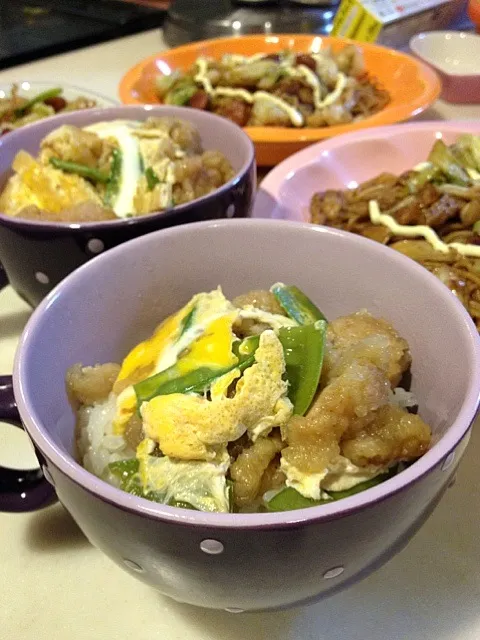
55, 586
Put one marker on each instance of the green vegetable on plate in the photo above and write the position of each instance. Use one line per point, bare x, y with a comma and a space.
420, 178
443, 158
181, 94
41, 97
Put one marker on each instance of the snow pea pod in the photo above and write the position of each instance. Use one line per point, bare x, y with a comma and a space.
196, 381
296, 304
304, 348
362, 486
289, 499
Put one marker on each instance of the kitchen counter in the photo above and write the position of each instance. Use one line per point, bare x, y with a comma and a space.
55, 585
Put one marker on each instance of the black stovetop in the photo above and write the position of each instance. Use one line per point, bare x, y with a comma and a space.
38, 28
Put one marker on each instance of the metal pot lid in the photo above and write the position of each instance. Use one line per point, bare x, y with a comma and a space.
190, 20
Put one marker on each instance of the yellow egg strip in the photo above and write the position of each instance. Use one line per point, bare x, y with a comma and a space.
145, 354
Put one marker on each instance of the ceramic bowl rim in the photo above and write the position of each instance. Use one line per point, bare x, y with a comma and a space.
88, 93
431, 35
222, 521
237, 134
272, 135
273, 181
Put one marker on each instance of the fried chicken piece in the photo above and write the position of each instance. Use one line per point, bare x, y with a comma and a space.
260, 299
73, 144
248, 469
361, 337
182, 132
343, 405
88, 385
273, 477
391, 436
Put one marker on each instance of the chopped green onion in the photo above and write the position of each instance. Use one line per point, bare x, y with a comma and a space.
152, 178
79, 169
113, 184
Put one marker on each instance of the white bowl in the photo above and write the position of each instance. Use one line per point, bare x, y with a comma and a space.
455, 56
30, 88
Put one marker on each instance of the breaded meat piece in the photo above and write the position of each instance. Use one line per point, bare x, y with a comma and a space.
362, 337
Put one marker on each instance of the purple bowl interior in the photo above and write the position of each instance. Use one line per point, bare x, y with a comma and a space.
111, 303
215, 132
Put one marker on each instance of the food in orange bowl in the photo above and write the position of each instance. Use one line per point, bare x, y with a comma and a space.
356, 87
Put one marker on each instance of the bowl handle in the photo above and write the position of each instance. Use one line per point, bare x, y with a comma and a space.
3, 277
20, 490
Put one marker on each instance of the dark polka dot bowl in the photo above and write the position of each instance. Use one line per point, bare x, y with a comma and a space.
36, 256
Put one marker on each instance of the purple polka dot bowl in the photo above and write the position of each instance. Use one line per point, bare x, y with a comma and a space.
244, 562
36, 256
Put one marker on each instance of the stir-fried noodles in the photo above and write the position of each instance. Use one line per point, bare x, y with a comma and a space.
285, 89
430, 213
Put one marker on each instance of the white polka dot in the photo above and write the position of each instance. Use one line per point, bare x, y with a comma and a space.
234, 610
212, 547
42, 277
447, 463
230, 211
95, 245
47, 475
130, 564
333, 573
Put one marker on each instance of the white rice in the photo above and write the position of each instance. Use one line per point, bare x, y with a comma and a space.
402, 398
97, 444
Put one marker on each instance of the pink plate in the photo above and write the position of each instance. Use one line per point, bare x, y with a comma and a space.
347, 160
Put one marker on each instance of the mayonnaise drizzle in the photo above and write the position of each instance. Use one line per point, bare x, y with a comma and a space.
122, 131
474, 175
419, 230
312, 79
303, 71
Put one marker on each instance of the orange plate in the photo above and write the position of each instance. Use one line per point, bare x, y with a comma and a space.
412, 85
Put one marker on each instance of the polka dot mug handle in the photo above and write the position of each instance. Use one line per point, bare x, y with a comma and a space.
20, 490
3, 277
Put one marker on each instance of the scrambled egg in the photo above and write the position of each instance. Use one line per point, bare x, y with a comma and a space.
200, 334
178, 331
199, 484
43, 186
341, 475
191, 427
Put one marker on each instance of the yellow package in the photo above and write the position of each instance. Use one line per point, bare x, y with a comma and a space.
354, 21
